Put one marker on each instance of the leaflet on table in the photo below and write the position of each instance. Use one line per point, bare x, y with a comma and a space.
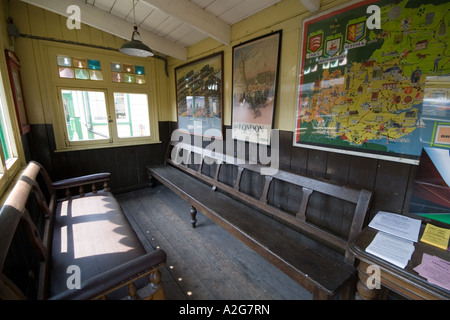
436, 236
435, 270
391, 248
396, 224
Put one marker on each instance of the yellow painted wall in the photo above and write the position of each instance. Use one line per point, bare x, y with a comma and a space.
35, 21
287, 16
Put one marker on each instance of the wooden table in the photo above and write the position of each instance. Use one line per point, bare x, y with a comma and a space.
405, 281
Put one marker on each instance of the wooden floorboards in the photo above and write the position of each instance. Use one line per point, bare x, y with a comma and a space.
205, 263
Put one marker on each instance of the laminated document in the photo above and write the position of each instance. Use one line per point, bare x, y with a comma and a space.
397, 225
393, 249
395, 239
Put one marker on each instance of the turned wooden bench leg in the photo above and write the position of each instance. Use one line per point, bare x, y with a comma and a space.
132, 291
157, 285
363, 291
193, 215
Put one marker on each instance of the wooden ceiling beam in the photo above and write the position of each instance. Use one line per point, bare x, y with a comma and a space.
196, 17
109, 23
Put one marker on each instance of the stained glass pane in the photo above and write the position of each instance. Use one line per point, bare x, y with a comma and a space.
95, 75
81, 74
117, 77
94, 64
66, 72
64, 61
140, 70
116, 67
129, 68
140, 79
129, 78
80, 63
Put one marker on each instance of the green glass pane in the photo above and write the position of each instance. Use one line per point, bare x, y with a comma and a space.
82, 74
129, 78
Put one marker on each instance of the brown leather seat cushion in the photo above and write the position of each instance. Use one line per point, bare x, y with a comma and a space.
92, 233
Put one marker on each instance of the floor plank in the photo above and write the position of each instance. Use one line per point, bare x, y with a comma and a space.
205, 263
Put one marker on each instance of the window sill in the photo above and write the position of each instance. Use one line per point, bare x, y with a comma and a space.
105, 146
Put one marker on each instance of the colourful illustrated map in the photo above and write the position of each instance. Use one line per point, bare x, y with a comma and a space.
370, 89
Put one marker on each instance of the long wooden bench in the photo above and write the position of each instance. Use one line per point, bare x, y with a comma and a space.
79, 247
301, 225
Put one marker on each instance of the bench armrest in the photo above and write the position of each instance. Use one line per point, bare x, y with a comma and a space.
118, 277
77, 181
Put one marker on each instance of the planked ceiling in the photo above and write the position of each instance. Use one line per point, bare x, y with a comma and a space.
167, 26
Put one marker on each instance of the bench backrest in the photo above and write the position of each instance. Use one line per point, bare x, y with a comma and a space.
25, 232
333, 214
26, 229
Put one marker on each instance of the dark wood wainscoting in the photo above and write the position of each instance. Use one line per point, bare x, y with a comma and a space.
127, 164
391, 182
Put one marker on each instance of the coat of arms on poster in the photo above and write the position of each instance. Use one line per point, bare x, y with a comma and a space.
370, 74
255, 74
199, 91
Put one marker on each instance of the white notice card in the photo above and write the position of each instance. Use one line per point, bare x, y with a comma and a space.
397, 225
391, 248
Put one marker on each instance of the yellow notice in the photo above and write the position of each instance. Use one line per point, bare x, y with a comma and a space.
436, 236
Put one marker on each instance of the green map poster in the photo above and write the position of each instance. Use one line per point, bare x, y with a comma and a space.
374, 79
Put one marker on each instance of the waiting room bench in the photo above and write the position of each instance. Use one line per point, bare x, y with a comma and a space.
80, 247
301, 225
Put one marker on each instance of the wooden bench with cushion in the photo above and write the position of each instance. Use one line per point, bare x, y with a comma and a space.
79, 247
301, 225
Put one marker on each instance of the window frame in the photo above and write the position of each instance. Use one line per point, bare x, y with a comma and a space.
9, 168
56, 84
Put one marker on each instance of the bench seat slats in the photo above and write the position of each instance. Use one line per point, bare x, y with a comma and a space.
310, 228
300, 224
285, 247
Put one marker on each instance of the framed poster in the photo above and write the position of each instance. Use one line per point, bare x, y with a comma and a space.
16, 86
366, 69
199, 94
255, 77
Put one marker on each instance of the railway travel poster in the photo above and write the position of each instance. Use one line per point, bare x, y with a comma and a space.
255, 74
375, 79
200, 96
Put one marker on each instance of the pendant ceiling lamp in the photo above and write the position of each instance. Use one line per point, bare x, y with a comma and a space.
135, 47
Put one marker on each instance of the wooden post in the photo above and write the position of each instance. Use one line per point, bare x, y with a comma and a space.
193, 215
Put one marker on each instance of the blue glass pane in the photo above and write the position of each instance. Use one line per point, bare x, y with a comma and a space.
94, 65
139, 70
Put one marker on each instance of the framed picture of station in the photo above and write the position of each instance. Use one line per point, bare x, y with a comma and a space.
368, 74
255, 78
199, 94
